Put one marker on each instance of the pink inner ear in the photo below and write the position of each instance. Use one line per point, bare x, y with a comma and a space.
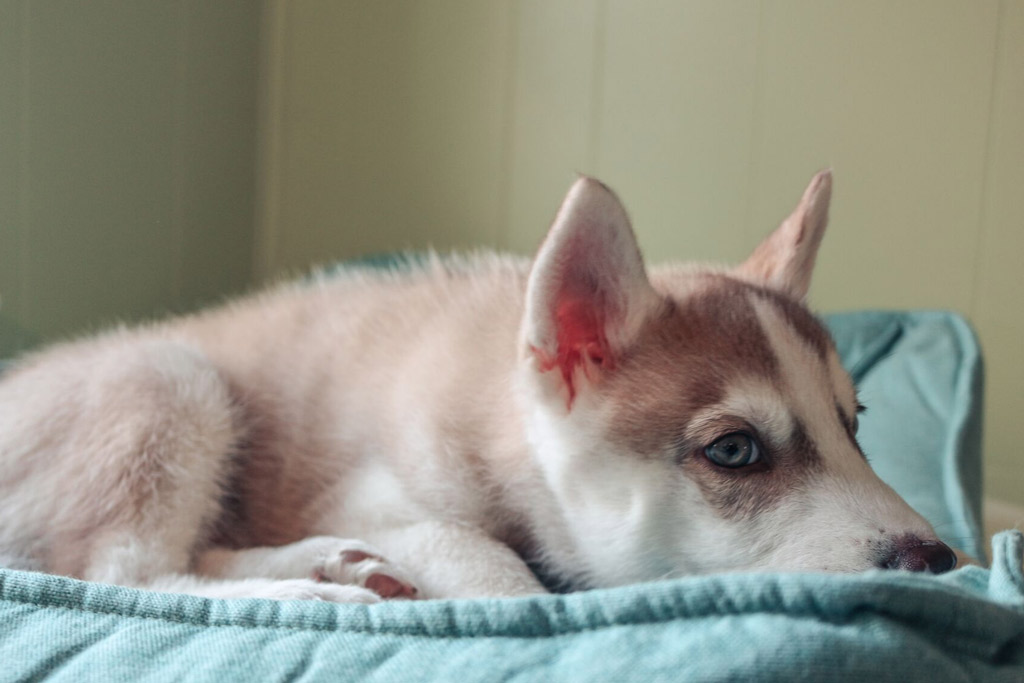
581, 340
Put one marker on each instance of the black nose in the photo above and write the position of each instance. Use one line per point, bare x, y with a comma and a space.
912, 554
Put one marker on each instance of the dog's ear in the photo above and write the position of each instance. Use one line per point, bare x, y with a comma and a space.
588, 293
785, 259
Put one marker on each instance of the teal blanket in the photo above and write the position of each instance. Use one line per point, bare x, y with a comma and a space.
963, 626
920, 376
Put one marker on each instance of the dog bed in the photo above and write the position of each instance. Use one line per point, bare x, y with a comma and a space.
920, 375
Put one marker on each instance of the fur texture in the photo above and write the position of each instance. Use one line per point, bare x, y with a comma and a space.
432, 430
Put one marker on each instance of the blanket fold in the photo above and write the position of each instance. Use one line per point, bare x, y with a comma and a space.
967, 625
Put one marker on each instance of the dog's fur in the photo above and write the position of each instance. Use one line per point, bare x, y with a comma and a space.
467, 418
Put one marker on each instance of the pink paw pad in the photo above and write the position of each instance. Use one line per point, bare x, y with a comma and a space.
389, 587
363, 567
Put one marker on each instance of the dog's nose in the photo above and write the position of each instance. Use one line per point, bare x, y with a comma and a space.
912, 554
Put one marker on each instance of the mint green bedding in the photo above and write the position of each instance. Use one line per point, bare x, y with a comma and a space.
964, 626
920, 376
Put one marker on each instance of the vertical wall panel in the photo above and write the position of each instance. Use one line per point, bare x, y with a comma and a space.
552, 112
394, 126
272, 64
12, 28
459, 106
676, 118
128, 132
342, 110
895, 97
217, 143
100, 162
1000, 269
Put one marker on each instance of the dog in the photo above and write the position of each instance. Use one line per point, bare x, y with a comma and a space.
457, 428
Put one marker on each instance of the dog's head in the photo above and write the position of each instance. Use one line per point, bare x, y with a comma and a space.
699, 419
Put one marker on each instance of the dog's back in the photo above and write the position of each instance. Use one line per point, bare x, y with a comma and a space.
367, 363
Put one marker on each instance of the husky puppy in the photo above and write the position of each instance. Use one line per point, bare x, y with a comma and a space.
438, 430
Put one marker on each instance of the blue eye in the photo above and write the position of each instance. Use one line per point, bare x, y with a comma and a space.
734, 450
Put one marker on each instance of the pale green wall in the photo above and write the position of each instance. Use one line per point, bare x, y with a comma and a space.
458, 123
128, 155
127, 159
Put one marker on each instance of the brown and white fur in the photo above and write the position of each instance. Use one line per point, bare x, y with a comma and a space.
463, 419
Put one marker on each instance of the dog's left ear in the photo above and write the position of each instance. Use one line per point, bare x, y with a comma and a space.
785, 259
588, 293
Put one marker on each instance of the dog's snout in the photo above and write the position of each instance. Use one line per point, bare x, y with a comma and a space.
910, 553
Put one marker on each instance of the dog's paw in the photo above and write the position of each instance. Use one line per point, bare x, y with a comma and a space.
356, 563
306, 589
267, 589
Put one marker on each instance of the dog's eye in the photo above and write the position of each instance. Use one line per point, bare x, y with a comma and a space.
734, 450
856, 421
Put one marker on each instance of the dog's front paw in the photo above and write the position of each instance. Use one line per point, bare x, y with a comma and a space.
356, 563
305, 589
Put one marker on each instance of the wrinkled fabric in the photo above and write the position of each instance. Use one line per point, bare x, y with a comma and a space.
920, 376
967, 625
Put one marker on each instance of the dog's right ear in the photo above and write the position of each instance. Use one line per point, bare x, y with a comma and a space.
587, 294
785, 259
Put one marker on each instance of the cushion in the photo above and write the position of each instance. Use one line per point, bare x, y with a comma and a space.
967, 625
920, 375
